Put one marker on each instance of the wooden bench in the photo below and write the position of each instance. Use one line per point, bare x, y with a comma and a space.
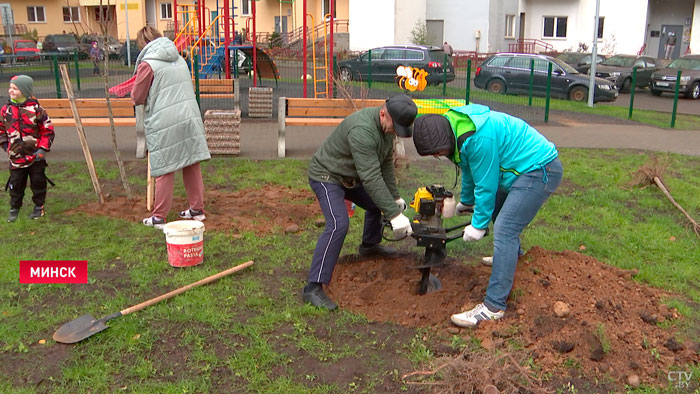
216, 88
93, 112
315, 112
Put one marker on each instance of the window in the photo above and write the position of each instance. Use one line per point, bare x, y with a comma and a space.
510, 26
35, 14
414, 55
394, 54
104, 13
554, 27
71, 14
245, 7
166, 11
601, 23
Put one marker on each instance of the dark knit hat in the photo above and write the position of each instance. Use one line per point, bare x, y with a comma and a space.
403, 112
24, 83
432, 133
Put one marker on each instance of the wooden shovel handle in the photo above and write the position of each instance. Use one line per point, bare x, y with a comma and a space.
185, 288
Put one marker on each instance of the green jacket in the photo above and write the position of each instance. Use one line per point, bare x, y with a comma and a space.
174, 128
358, 153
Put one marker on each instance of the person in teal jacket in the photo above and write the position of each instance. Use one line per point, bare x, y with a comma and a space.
508, 170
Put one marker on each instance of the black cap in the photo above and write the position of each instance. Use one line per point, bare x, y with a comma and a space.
403, 112
432, 133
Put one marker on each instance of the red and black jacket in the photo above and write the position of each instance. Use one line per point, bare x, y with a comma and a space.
25, 128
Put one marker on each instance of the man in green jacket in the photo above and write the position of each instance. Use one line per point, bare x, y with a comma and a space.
356, 163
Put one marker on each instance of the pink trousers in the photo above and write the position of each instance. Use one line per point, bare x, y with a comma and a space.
194, 186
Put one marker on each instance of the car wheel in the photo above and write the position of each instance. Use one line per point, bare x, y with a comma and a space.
626, 86
345, 74
578, 93
655, 92
693, 91
496, 86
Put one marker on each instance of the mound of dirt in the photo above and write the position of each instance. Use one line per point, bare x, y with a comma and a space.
610, 330
263, 211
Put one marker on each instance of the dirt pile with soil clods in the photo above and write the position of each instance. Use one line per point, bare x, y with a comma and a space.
611, 328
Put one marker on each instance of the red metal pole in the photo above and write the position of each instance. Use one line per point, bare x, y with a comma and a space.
329, 77
303, 51
200, 13
226, 40
255, 49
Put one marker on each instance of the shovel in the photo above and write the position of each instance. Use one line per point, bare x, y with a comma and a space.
86, 325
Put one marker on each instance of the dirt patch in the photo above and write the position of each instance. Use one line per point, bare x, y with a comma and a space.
262, 211
611, 329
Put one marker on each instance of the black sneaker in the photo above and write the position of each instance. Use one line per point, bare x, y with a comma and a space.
313, 294
377, 250
37, 213
14, 214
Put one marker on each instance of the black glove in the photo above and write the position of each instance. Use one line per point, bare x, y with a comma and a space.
40, 155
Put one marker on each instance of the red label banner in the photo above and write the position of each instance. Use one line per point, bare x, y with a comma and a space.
53, 271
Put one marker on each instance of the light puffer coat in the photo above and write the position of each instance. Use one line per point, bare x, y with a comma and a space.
174, 128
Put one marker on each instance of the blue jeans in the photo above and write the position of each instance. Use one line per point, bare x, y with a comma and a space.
513, 212
331, 198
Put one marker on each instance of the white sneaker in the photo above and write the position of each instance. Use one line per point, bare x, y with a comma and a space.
473, 317
487, 261
154, 221
192, 214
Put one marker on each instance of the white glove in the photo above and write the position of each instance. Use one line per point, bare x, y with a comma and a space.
401, 225
402, 204
464, 209
473, 234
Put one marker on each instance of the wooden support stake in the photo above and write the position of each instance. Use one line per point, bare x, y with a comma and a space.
81, 133
150, 190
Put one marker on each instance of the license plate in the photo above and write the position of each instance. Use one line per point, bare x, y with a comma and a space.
662, 84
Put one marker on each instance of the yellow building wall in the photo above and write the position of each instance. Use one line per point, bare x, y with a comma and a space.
315, 8
53, 14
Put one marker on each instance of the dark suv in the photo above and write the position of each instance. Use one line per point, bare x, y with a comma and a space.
510, 73
664, 80
386, 60
64, 45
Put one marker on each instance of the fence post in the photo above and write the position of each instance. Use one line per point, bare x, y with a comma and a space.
235, 63
549, 88
77, 68
633, 84
196, 78
532, 82
369, 69
444, 75
56, 76
675, 99
469, 81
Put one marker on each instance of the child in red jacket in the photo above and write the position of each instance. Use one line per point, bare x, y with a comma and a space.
26, 134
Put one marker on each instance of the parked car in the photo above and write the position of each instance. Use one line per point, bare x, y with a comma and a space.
111, 49
664, 80
25, 50
618, 70
134, 49
386, 60
510, 73
581, 61
64, 45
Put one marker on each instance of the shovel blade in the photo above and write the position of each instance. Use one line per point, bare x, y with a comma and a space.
79, 329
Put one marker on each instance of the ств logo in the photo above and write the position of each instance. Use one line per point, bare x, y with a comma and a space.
53, 271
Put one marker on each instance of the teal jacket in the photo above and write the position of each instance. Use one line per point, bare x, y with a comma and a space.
358, 153
174, 128
502, 148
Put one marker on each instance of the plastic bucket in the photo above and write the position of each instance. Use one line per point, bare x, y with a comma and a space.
185, 241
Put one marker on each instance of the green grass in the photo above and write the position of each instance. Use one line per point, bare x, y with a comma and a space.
249, 331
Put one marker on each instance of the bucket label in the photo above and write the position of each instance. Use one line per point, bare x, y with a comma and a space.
185, 255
